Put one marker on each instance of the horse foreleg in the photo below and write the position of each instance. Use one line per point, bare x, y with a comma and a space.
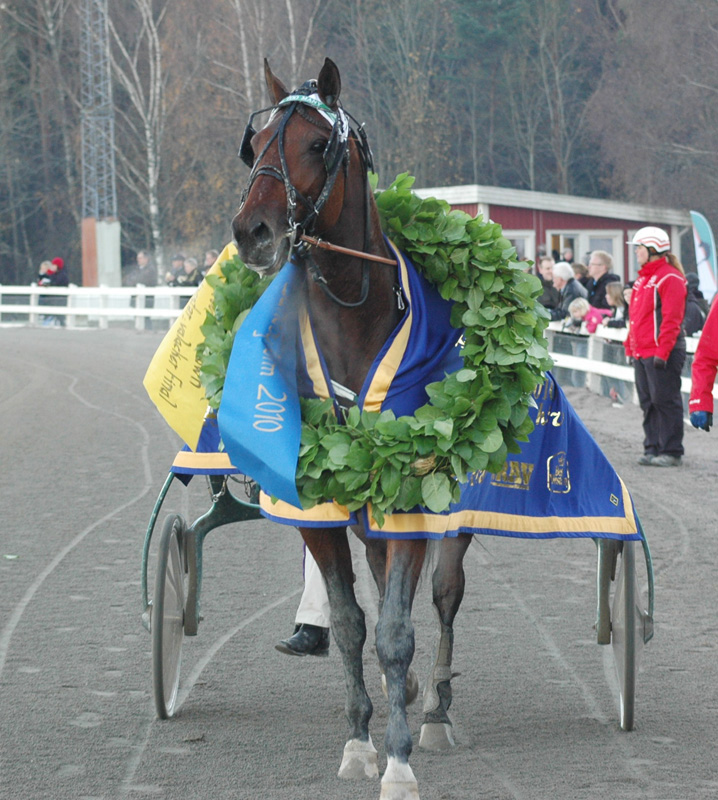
376, 558
330, 549
395, 648
448, 583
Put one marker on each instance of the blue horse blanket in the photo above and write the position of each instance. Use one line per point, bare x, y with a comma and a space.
560, 485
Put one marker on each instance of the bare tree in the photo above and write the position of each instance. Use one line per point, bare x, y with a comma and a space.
250, 33
526, 113
563, 65
16, 179
657, 112
394, 72
136, 58
47, 23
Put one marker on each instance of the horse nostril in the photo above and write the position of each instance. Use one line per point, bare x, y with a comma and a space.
261, 234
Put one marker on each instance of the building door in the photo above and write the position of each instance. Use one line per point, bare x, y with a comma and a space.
561, 242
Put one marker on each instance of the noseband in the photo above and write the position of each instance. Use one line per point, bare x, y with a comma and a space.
336, 158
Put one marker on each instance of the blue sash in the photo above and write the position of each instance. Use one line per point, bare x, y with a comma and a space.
259, 416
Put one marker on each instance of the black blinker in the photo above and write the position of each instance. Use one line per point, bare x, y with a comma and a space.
245, 149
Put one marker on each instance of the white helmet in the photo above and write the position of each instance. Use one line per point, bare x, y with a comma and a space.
651, 237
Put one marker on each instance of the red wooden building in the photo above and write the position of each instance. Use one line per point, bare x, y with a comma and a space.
542, 222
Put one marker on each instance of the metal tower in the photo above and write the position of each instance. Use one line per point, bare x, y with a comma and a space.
99, 192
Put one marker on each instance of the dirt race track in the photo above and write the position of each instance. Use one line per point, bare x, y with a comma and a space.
83, 456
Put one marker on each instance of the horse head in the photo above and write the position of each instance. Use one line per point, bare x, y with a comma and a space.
299, 168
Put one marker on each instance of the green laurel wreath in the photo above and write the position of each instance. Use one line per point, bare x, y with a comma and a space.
475, 417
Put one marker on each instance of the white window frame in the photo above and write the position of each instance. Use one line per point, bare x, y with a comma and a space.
582, 236
561, 233
529, 234
618, 236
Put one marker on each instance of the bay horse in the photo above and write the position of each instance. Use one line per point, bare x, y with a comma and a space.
309, 184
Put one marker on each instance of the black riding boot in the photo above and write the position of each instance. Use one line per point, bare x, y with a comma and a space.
308, 640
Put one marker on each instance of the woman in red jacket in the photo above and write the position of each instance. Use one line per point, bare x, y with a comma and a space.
703, 373
657, 346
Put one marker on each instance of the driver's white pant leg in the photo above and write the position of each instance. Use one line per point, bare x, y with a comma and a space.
314, 605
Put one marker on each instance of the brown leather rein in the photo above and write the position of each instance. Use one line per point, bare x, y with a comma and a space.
320, 243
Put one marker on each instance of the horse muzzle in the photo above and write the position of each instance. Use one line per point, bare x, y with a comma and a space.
259, 247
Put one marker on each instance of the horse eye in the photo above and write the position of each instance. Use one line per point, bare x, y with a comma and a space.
318, 146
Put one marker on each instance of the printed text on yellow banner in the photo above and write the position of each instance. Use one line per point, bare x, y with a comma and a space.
172, 378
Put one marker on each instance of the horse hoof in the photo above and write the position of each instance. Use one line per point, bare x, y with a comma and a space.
412, 686
398, 782
359, 760
436, 736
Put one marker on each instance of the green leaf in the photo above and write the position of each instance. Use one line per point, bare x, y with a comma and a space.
465, 375
358, 457
492, 442
436, 492
390, 480
444, 427
338, 455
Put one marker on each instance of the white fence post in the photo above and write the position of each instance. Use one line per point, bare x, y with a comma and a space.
34, 302
104, 321
71, 319
140, 303
595, 353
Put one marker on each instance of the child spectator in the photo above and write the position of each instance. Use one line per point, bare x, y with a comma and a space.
581, 311
616, 299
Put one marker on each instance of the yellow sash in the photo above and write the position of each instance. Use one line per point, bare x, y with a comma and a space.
172, 378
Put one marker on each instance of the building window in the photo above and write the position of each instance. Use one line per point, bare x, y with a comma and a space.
559, 242
524, 242
584, 242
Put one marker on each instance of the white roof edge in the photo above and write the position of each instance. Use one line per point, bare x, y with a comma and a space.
545, 201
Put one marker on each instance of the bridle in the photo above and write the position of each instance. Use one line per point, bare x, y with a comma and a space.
336, 160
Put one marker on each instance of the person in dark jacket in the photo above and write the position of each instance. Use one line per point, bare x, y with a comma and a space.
568, 289
176, 268
694, 318
191, 275
144, 273
697, 307
549, 296
600, 264
693, 283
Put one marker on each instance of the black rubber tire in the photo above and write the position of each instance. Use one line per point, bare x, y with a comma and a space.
625, 623
167, 621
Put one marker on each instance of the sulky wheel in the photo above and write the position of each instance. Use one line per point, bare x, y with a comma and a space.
627, 632
168, 616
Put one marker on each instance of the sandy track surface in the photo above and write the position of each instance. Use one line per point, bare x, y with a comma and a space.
84, 455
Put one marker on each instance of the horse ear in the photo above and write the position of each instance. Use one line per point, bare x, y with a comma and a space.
329, 83
276, 88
